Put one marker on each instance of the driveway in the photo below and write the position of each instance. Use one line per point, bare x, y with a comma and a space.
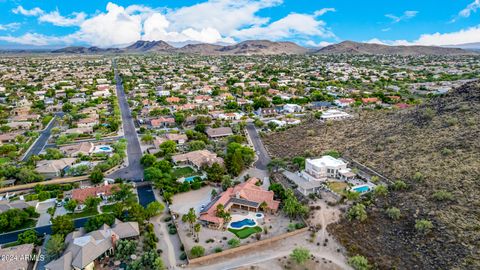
134, 170
42, 208
196, 198
263, 157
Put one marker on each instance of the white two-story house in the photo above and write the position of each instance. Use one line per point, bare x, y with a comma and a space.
326, 167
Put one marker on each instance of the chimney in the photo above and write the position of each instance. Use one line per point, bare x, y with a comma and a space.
114, 240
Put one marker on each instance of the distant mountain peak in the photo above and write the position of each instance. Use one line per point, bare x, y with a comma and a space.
352, 47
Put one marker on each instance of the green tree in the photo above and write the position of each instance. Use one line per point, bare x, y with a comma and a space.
196, 228
27, 175
357, 212
300, 255
96, 176
292, 207
275, 164
196, 145
28, 237
300, 162
197, 251
215, 172
153, 209
71, 205
179, 118
62, 225
168, 147
190, 217
92, 202
55, 246
359, 263
148, 160
352, 195
147, 138
124, 249
95, 222
53, 153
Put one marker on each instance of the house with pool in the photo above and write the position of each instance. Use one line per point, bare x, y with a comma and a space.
245, 196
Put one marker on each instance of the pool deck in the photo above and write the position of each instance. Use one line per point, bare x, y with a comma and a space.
249, 215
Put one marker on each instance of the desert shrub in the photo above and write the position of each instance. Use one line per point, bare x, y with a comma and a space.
393, 213
423, 226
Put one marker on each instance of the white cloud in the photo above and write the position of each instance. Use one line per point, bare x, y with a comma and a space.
405, 16
115, 27
472, 7
10, 26
463, 36
52, 17
323, 11
212, 21
28, 12
320, 44
376, 41
469, 35
38, 39
293, 25
225, 16
55, 18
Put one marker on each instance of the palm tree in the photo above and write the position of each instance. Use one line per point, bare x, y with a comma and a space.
263, 206
197, 229
190, 217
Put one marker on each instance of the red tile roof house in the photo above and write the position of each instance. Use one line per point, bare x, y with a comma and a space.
81, 194
162, 122
370, 100
246, 196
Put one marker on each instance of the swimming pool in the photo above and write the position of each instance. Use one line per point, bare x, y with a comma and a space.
105, 148
190, 178
361, 189
243, 223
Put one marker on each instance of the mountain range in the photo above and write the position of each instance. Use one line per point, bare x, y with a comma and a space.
266, 47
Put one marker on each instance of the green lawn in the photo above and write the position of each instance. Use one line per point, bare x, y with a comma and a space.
245, 232
183, 172
108, 208
337, 187
85, 213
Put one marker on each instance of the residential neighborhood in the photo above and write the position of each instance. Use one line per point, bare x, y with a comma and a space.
157, 161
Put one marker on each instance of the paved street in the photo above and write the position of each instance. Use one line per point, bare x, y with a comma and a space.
263, 158
134, 170
41, 141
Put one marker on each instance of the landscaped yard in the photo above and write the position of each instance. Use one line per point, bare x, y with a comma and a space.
85, 213
337, 187
245, 232
183, 172
108, 208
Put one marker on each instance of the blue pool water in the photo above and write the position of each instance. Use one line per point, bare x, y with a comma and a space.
361, 189
190, 178
242, 223
105, 148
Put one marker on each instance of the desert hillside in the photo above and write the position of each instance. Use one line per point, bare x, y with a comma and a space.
435, 148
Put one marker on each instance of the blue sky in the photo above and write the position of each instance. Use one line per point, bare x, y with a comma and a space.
308, 22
